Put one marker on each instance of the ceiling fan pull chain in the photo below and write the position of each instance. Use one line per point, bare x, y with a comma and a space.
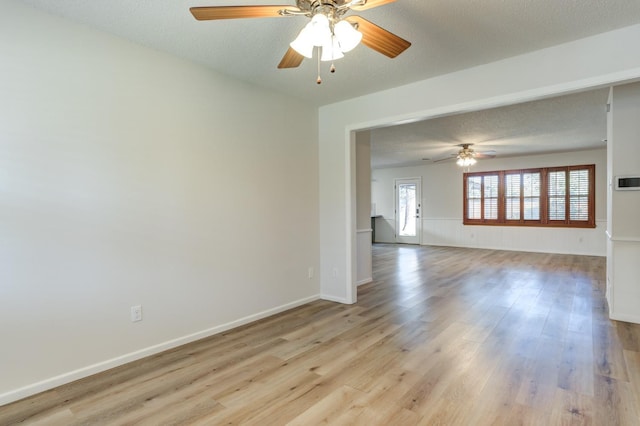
333, 68
319, 80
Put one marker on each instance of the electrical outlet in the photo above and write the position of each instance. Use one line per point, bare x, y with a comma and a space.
136, 313
310, 274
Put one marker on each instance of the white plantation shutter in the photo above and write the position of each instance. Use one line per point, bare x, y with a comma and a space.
557, 195
579, 195
474, 197
531, 195
491, 197
512, 196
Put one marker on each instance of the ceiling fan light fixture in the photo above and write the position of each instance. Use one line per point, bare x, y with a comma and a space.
331, 51
466, 161
466, 156
348, 37
303, 44
319, 29
316, 33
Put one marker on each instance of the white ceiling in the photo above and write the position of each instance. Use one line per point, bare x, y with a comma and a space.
447, 35
565, 123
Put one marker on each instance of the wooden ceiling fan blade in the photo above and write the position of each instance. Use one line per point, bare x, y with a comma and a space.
234, 12
371, 4
486, 154
439, 160
378, 38
291, 59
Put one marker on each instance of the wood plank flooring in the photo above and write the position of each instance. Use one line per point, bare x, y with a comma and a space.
443, 336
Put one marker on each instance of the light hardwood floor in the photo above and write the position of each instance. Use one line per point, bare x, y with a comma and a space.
443, 336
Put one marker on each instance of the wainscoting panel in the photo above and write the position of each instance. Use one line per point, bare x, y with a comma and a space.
451, 232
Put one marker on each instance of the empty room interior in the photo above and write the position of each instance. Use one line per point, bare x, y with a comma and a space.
438, 223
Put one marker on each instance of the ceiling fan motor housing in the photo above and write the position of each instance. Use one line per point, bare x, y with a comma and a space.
332, 9
311, 4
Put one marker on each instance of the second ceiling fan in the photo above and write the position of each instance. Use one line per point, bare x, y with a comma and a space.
466, 156
328, 28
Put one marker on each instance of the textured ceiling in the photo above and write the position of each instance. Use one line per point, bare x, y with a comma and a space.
447, 35
565, 123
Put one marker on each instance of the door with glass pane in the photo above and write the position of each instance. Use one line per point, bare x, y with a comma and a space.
408, 208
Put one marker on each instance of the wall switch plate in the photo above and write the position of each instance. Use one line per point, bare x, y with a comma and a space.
136, 313
310, 274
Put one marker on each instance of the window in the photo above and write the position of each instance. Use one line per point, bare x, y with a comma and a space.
555, 196
490, 197
512, 196
531, 195
474, 204
579, 195
482, 200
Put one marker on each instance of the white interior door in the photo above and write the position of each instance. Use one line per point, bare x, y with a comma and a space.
408, 208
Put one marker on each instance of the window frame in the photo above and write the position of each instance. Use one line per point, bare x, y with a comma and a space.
482, 220
544, 220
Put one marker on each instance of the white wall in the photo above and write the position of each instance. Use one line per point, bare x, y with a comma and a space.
442, 207
623, 246
363, 207
587, 63
128, 176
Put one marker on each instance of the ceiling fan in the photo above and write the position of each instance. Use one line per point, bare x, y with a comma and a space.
467, 156
328, 28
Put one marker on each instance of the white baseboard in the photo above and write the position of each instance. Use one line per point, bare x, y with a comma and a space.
625, 318
32, 389
364, 281
335, 299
